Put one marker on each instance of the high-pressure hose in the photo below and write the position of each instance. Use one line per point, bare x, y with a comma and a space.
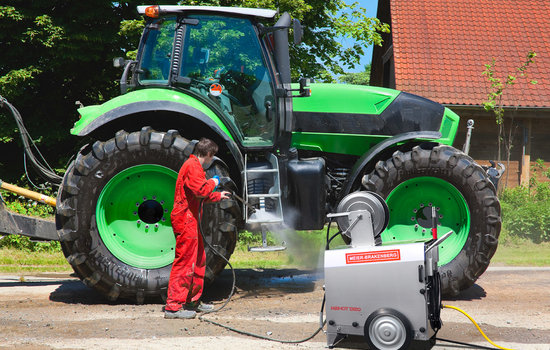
221, 256
202, 318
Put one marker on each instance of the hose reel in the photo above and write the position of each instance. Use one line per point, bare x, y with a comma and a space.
362, 216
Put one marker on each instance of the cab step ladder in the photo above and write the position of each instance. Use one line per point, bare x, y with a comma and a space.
262, 216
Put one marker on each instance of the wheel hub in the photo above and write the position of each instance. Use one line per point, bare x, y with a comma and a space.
387, 332
150, 211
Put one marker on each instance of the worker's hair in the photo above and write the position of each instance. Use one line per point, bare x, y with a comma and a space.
205, 147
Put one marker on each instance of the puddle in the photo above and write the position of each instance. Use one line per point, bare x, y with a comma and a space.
270, 280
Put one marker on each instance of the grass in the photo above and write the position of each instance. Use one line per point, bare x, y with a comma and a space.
14, 260
522, 253
304, 251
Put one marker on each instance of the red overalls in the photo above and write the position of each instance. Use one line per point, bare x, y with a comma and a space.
187, 275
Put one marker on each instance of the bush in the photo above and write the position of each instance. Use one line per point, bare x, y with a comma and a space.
526, 209
25, 244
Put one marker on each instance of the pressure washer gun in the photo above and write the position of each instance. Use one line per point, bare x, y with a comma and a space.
227, 184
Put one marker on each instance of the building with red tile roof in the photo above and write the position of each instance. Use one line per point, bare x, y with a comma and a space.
438, 49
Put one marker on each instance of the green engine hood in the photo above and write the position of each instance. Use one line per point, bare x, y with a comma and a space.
350, 119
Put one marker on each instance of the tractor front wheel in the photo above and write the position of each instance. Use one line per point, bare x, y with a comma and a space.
113, 214
445, 179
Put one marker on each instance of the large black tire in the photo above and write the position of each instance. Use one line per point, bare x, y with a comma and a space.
459, 170
82, 243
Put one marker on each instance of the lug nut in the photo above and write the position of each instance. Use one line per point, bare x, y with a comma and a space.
412, 218
139, 222
156, 225
146, 226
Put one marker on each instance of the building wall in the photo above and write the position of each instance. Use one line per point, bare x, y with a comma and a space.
530, 141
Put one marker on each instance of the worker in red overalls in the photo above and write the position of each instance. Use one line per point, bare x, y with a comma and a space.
187, 276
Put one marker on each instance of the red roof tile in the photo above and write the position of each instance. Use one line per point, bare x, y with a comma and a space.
441, 46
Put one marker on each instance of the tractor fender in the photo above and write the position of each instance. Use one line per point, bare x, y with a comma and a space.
169, 106
372, 154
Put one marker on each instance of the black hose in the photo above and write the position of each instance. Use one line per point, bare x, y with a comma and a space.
220, 255
40, 164
473, 346
201, 318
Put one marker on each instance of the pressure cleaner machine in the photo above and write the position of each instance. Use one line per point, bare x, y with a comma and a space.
390, 294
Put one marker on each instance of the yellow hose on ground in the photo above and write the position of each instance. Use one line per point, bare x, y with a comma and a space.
475, 324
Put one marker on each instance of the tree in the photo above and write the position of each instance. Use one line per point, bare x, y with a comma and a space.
324, 21
57, 52
495, 103
361, 78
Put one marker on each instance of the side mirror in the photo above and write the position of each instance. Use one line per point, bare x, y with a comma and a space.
298, 31
119, 62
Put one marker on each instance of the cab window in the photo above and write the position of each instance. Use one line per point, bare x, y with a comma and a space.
155, 57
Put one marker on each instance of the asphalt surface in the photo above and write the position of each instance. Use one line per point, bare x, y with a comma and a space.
52, 311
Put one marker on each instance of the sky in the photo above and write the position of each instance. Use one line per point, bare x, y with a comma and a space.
370, 6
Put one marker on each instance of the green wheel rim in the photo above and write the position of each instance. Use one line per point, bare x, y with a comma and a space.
133, 216
411, 205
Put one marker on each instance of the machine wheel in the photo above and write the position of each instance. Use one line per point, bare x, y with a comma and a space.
388, 329
113, 214
412, 182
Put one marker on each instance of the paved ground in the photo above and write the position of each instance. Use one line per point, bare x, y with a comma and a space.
47, 311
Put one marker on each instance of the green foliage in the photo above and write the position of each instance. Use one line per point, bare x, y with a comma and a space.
325, 23
361, 78
526, 209
54, 54
247, 238
498, 87
25, 244
494, 103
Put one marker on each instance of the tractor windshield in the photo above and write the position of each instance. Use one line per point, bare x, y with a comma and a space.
223, 58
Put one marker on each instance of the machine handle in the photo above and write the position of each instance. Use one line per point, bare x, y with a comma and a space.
438, 241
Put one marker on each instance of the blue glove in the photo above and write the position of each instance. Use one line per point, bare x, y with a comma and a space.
217, 178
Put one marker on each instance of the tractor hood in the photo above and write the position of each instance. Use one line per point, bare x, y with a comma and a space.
343, 118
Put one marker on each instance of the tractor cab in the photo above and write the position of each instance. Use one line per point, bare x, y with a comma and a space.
224, 57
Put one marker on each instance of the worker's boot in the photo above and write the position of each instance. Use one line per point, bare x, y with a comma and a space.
181, 313
199, 306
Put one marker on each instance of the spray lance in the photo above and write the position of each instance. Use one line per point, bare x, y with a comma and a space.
227, 184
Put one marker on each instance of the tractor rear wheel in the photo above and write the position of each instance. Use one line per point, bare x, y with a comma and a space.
441, 177
113, 214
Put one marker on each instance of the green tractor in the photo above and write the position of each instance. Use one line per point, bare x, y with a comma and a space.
293, 151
